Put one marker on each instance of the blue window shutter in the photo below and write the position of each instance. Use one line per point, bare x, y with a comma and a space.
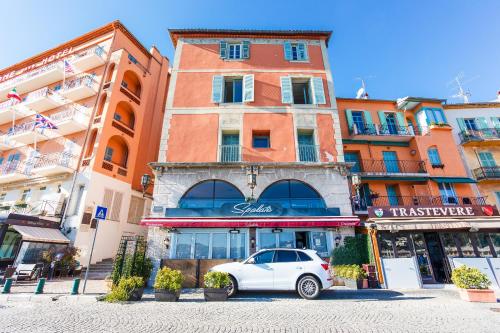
461, 124
245, 52
223, 50
217, 85
248, 88
350, 121
481, 123
287, 46
496, 122
302, 51
286, 90
434, 157
318, 90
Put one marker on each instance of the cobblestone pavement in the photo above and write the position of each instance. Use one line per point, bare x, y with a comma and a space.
335, 311
60, 287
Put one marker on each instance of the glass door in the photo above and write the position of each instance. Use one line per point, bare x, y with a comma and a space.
391, 161
423, 260
391, 123
392, 195
436, 257
448, 194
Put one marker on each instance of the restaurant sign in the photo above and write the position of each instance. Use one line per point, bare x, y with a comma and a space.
431, 211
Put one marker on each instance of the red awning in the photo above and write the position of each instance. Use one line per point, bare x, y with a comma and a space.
261, 222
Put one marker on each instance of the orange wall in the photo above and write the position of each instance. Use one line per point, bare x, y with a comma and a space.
325, 136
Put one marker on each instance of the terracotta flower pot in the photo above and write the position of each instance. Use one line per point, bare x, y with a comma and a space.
478, 295
215, 294
162, 295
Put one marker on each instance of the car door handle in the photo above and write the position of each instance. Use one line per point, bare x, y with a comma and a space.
299, 267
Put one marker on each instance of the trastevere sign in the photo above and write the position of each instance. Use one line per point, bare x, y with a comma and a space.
431, 211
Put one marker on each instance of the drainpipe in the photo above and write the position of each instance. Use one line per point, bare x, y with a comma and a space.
87, 134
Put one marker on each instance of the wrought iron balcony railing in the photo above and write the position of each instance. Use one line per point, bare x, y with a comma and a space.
487, 173
383, 130
308, 153
80, 80
64, 159
230, 153
389, 166
37, 208
483, 134
388, 201
15, 166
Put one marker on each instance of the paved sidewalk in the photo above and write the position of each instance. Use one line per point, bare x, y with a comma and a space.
60, 287
338, 310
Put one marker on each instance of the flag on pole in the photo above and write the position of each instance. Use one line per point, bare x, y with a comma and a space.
14, 96
43, 122
68, 68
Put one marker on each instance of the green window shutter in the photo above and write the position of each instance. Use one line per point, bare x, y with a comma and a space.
496, 122
318, 92
369, 122
381, 116
302, 49
487, 159
461, 124
248, 88
223, 50
350, 121
400, 118
481, 123
245, 52
286, 90
217, 85
287, 47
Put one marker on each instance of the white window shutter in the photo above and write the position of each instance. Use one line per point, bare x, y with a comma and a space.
245, 52
248, 88
223, 50
287, 47
217, 85
286, 90
318, 92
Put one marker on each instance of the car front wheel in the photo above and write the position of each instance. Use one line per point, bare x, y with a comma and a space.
232, 288
308, 287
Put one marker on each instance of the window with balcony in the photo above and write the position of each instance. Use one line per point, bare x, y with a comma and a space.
261, 139
392, 126
117, 151
448, 194
470, 124
124, 114
132, 83
391, 161
353, 157
230, 148
486, 159
434, 157
307, 148
358, 121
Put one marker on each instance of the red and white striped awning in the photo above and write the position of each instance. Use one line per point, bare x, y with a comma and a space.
247, 222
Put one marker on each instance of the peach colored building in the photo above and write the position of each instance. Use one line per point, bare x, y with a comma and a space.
101, 95
250, 155
413, 192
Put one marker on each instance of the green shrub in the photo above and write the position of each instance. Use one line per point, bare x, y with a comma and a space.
356, 250
168, 279
125, 287
352, 272
469, 278
131, 265
217, 280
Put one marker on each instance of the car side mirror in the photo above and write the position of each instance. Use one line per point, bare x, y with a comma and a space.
251, 261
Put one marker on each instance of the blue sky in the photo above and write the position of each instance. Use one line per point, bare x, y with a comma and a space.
401, 47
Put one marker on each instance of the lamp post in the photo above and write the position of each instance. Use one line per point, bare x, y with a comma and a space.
145, 182
252, 171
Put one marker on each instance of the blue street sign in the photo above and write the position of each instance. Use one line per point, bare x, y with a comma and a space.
101, 212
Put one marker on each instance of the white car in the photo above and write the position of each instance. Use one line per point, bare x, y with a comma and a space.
279, 269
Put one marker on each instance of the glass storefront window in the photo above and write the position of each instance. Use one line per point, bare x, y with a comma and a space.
422, 258
465, 244
385, 244
237, 246
9, 245
201, 246
32, 253
287, 239
495, 240
483, 245
183, 248
450, 247
267, 240
319, 243
219, 246
402, 246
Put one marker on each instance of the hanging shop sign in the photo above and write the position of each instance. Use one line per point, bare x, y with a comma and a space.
431, 211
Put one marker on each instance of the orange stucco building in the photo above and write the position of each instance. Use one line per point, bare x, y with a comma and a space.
102, 94
251, 155
412, 190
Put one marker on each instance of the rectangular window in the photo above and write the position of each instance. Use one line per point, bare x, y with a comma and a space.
230, 148
487, 160
470, 124
449, 245
353, 157
219, 246
448, 194
434, 157
26, 195
237, 246
483, 244
319, 243
307, 149
78, 201
495, 241
261, 140
201, 246
233, 90
287, 239
359, 122
183, 246
298, 51
267, 240
465, 244
391, 161
235, 51
402, 246
108, 154
301, 91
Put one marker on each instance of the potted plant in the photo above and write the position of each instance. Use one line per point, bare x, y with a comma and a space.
128, 289
216, 284
168, 284
473, 285
353, 276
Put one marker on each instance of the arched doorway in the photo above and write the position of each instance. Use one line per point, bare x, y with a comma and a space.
124, 113
117, 151
132, 83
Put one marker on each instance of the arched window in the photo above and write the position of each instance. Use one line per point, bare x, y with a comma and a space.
90, 145
434, 157
211, 194
117, 151
100, 108
125, 114
109, 75
292, 193
132, 83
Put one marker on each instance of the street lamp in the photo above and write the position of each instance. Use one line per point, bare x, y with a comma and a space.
145, 182
252, 172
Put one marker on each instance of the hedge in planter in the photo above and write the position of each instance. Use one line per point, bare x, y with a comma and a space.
352, 275
216, 284
473, 285
128, 289
168, 284
356, 250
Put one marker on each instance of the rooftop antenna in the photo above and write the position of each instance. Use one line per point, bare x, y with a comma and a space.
362, 93
458, 83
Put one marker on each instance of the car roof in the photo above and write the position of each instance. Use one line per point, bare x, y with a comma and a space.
287, 249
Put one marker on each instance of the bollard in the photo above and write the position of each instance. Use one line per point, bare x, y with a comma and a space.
39, 286
76, 285
7, 285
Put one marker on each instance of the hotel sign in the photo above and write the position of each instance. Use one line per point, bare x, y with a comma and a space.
44, 61
431, 211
